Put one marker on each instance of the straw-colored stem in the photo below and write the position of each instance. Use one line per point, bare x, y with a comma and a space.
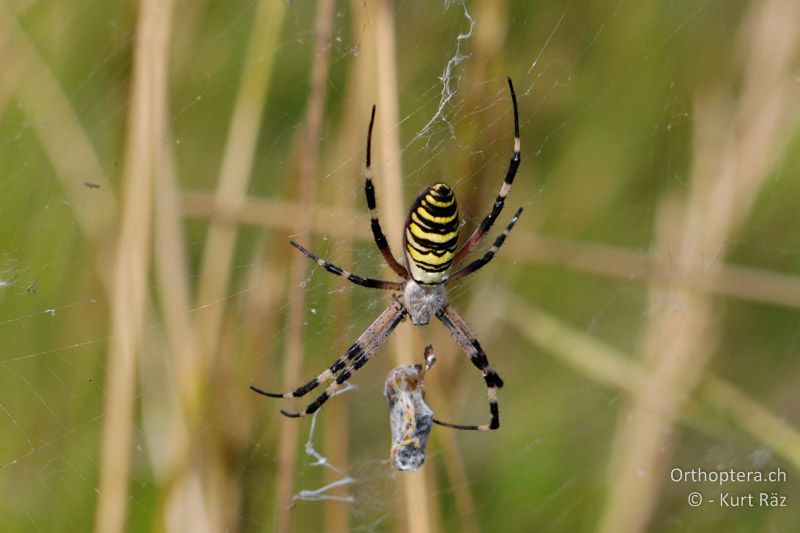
262, 304
608, 366
234, 175
459, 481
183, 505
491, 18
739, 282
733, 155
750, 415
386, 149
171, 268
235, 172
746, 283
309, 163
417, 512
131, 263
350, 141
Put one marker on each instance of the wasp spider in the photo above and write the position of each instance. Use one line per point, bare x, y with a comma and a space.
430, 244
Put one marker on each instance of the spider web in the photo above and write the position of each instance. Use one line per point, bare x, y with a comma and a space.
616, 99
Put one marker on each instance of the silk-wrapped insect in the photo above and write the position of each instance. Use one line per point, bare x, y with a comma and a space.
410, 417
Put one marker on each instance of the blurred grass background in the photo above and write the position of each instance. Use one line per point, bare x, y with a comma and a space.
157, 156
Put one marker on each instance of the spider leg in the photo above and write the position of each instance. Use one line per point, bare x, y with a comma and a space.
430, 359
378, 339
499, 202
478, 263
358, 280
376, 332
314, 406
369, 191
373, 339
466, 339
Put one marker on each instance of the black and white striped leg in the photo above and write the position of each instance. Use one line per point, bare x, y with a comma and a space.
464, 336
377, 337
478, 263
314, 406
430, 359
499, 202
379, 329
339, 271
369, 191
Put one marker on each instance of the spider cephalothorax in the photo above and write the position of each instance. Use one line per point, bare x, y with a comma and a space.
430, 240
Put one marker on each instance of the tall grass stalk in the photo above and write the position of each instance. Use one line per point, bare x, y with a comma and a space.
131, 264
184, 503
733, 155
217, 257
351, 140
417, 513
307, 179
237, 162
606, 365
746, 283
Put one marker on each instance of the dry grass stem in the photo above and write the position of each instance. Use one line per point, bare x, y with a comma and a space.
185, 502
489, 37
262, 303
131, 264
417, 512
350, 140
171, 267
732, 158
746, 283
215, 268
279, 215
237, 163
139, 301
608, 366
309, 164
459, 481
170, 272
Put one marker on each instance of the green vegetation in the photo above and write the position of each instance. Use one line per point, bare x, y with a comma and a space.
158, 156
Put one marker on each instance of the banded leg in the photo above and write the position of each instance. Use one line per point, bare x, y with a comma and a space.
478, 263
378, 330
376, 340
369, 191
466, 339
430, 359
339, 271
499, 202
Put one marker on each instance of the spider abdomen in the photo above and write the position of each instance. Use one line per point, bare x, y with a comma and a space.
431, 234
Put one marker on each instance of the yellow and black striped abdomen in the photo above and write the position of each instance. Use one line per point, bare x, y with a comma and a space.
431, 234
